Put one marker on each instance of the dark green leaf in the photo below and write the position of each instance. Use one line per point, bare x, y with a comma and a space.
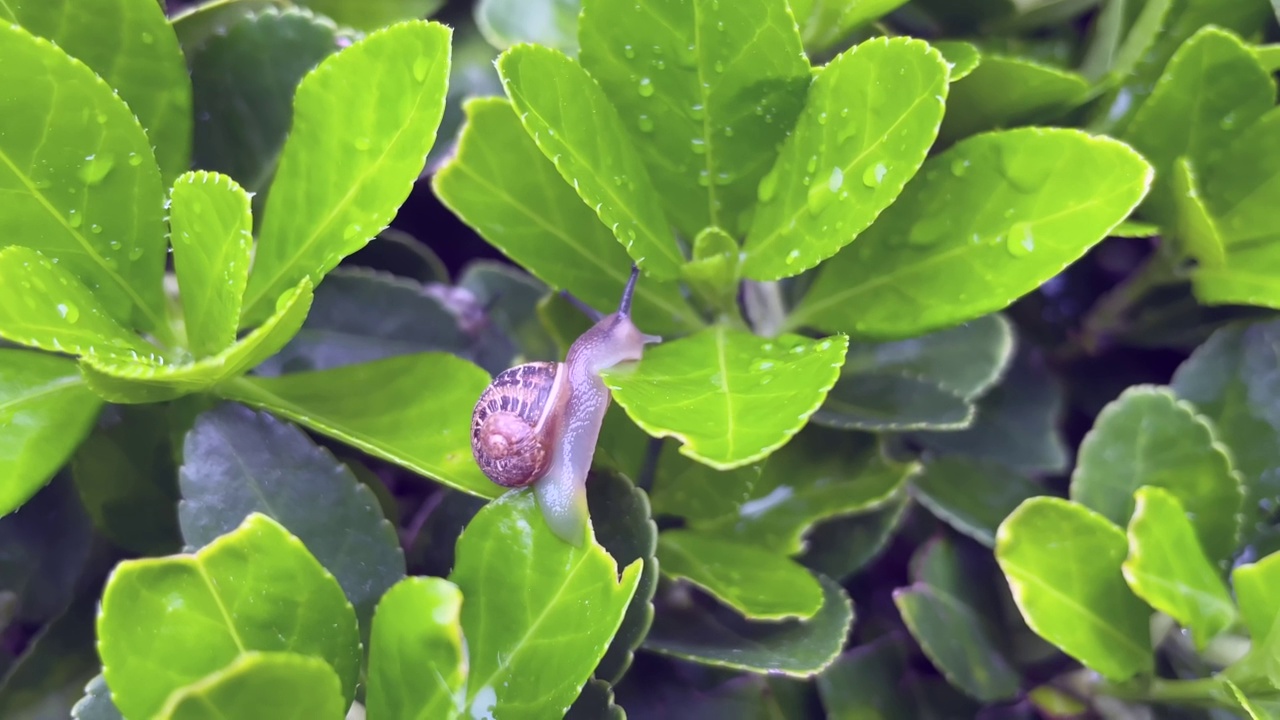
952, 635
403, 255
757, 583
706, 90
237, 462
44, 547
500, 184
168, 622
50, 675
1062, 562
824, 23
1148, 437
539, 612
256, 61
981, 224
985, 99
577, 127
1167, 567
351, 157
842, 547
551, 23
412, 410
130, 45
966, 359
261, 686
46, 411
868, 122
127, 481
694, 491
373, 14
799, 648
211, 229
866, 683
972, 496
716, 392
417, 656
197, 24
889, 400
79, 177
595, 703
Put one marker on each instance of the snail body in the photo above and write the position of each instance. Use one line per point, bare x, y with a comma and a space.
538, 423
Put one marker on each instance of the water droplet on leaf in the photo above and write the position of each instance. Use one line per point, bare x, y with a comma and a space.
96, 168
646, 87
1020, 241
420, 68
768, 186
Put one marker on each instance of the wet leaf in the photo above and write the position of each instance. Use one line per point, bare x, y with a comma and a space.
983, 101
972, 496
417, 656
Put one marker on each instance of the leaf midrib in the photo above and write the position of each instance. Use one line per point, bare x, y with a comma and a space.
49, 388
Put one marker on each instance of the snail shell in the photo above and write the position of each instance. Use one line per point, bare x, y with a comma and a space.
514, 423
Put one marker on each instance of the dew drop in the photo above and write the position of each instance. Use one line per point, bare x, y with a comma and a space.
819, 197
768, 186
646, 123
629, 51
646, 87
699, 146
351, 231
101, 118
929, 230
812, 164
697, 112
822, 118
75, 220
135, 253
792, 257
96, 229
96, 168
1020, 242
836, 181
959, 167
148, 38
728, 131
135, 159
718, 67
874, 175
704, 178
420, 68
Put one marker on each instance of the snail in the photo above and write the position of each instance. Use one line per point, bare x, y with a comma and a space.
537, 423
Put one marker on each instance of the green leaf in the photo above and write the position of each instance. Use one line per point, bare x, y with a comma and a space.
195, 25
401, 254
1230, 380
412, 410
130, 45
417, 657
261, 686
714, 391
256, 60
595, 702
841, 547
531, 658
361, 316
1148, 437
706, 92
369, 151
1195, 231
122, 382
920, 383
1168, 568
1254, 584
1122, 32
43, 305
1254, 711
1213, 85
689, 489
1063, 562
576, 126
48, 678
972, 496
501, 185
979, 226
211, 229
755, 582
79, 178
373, 14
46, 411
985, 99
1027, 404
509, 298
865, 683
168, 622
125, 474
963, 57
44, 548
551, 23
798, 648
824, 23
820, 475
237, 462
952, 636
852, 151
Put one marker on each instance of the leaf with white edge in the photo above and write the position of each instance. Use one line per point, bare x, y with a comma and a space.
1062, 562
1135, 229
953, 637
166, 623
819, 475
257, 61
360, 316
868, 122
983, 99
373, 14
96, 704
824, 23
412, 410
46, 411
79, 178
1149, 437
1195, 231
1214, 85
1233, 379
417, 656
501, 185
1168, 568
797, 648
211, 229
755, 582
731, 397
972, 496
236, 462
720, 86
130, 45
967, 359
979, 226
43, 305
120, 382
539, 612
892, 401
578, 128
963, 57
351, 157
550, 23
282, 685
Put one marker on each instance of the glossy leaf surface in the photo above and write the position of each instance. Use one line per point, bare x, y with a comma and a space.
972, 496
755, 582
283, 685
953, 637
982, 100
417, 656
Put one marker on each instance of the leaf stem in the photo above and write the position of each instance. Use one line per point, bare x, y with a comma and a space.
1109, 314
